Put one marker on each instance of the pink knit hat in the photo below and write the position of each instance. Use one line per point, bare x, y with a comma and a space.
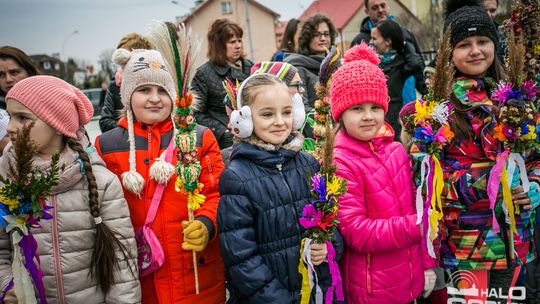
56, 102
358, 81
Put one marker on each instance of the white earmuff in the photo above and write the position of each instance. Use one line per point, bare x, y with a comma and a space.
298, 112
241, 122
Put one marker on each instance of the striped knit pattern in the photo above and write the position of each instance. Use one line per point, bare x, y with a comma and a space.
56, 102
284, 71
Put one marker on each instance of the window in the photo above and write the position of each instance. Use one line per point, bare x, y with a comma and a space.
46, 65
226, 8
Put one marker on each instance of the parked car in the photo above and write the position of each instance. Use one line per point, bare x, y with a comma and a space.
93, 95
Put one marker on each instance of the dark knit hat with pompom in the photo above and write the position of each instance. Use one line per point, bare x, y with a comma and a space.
467, 18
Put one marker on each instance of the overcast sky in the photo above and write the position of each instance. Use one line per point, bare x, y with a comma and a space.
42, 26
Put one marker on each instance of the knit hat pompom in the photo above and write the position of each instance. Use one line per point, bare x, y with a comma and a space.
358, 81
121, 56
361, 52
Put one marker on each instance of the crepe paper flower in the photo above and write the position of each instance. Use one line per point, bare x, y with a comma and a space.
424, 135
527, 132
310, 217
441, 112
334, 188
502, 92
423, 111
529, 89
444, 134
11, 203
499, 134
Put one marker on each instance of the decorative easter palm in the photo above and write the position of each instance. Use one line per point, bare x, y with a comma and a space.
430, 133
22, 206
321, 112
179, 50
516, 130
525, 21
320, 216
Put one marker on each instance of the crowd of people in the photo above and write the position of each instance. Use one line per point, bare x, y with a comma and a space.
251, 178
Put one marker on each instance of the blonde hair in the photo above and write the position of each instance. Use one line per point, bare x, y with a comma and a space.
134, 41
255, 85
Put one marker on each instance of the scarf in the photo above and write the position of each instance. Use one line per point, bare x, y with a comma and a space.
482, 120
387, 57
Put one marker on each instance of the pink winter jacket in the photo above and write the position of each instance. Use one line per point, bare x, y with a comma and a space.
383, 260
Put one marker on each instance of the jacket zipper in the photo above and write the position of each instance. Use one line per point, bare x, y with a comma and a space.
280, 167
410, 273
149, 135
209, 165
368, 267
56, 253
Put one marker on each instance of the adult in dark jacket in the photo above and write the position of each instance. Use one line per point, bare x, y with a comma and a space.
112, 106
376, 11
15, 66
263, 193
290, 40
317, 36
397, 63
225, 60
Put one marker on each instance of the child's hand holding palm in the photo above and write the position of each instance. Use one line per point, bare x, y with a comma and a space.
318, 253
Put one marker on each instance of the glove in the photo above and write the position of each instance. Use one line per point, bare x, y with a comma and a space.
429, 282
195, 236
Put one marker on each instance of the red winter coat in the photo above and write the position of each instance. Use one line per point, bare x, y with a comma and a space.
383, 260
174, 282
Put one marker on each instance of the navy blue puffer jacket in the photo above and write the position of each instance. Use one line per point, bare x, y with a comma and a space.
262, 196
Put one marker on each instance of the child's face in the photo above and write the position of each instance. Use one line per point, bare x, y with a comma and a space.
272, 114
474, 55
363, 121
151, 104
45, 137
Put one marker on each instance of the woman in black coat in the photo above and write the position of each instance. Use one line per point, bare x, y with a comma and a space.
225, 59
399, 61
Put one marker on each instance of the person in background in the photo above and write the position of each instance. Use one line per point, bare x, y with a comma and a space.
377, 11
290, 39
317, 36
103, 93
112, 104
490, 6
15, 66
226, 59
397, 63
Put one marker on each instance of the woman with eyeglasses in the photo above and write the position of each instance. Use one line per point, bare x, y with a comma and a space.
316, 38
397, 63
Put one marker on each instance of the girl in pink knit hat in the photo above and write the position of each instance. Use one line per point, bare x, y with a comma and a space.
383, 260
87, 250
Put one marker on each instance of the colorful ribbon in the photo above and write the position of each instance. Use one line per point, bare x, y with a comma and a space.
336, 276
302, 269
500, 176
493, 186
29, 249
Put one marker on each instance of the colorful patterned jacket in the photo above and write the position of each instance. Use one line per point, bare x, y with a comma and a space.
468, 241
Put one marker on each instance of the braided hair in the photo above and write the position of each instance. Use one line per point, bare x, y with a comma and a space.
104, 261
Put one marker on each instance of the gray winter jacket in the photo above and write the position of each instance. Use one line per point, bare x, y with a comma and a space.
65, 242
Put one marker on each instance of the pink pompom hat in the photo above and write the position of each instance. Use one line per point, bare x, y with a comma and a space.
358, 81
